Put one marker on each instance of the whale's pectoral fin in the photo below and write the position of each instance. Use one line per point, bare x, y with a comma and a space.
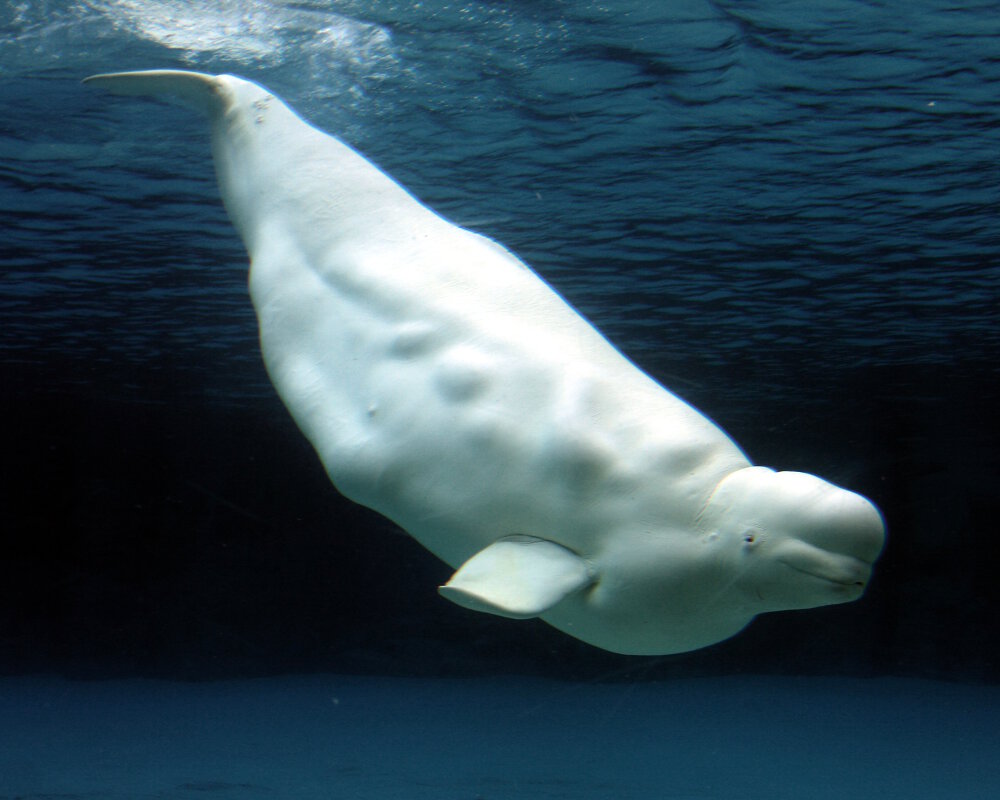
518, 577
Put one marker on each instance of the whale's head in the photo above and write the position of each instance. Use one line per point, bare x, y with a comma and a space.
796, 540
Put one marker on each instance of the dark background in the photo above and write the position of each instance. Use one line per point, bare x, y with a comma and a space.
199, 540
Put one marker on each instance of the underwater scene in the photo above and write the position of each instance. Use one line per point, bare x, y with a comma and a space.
609, 410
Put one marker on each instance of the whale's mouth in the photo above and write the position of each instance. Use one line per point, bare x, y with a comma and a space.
846, 579
841, 571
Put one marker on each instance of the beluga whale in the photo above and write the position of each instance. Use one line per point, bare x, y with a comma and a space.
445, 385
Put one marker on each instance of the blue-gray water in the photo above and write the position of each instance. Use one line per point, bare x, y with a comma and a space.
716, 186
784, 211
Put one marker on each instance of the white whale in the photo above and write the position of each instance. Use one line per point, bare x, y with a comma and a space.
446, 386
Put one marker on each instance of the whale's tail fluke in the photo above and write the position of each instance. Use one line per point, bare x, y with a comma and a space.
195, 90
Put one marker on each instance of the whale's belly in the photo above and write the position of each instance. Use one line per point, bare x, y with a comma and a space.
446, 386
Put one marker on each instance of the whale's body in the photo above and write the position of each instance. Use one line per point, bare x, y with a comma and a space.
446, 386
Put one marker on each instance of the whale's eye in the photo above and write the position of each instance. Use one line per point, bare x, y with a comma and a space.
749, 537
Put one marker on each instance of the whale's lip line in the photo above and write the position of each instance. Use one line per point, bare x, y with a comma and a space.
788, 563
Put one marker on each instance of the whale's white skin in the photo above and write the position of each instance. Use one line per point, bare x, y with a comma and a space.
446, 386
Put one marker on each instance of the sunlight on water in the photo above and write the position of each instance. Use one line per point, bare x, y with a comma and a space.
247, 31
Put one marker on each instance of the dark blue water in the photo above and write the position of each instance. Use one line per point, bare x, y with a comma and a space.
711, 184
318, 737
